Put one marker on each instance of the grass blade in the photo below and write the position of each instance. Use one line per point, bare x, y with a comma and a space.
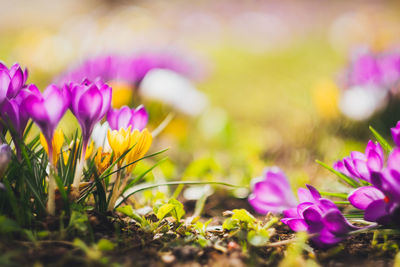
345, 178
140, 188
385, 145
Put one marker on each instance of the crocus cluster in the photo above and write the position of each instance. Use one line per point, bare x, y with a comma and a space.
368, 82
158, 76
381, 69
318, 216
131, 69
380, 198
90, 102
12, 81
358, 165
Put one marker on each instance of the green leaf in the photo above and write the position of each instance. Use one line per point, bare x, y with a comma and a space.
259, 238
207, 223
164, 210
8, 226
243, 215
385, 145
230, 224
345, 178
128, 211
179, 211
105, 245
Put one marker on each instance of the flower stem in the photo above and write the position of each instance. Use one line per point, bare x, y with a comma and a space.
51, 205
114, 193
79, 166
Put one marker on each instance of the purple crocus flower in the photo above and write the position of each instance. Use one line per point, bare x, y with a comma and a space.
365, 70
125, 117
131, 69
319, 216
380, 70
381, 201
272, 193
11, 81
90, 101
389, 65
396, 134
359, 165
14, 115
46, 109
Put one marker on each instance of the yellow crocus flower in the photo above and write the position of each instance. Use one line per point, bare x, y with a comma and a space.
120, 141
102, 160
57, 143
141, 142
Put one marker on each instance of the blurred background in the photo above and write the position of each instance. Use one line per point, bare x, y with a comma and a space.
259, 83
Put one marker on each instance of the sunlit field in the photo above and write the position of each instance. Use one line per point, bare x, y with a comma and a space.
214, 133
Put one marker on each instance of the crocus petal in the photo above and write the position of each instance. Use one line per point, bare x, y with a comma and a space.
273, 193
394, 159
11, 110
34, 106
303, 206
140, 118
304, 195
269, 192
17, 82
291, 213
54, 103
340, 166
326, 239
112, 118
396, 134
362, 197
89, 107
362, 169
376, 211
314, 192
326, 204
348, 163
374, 162
358, 155
264, 207
297, 225
106, 93
312, 215
313, 219
4, 84
124, 117
336, 223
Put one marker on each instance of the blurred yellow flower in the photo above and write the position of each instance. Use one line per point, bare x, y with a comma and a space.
57, 143
177, 129
141, 142
122, 93
120, 141
326, 95
102, 160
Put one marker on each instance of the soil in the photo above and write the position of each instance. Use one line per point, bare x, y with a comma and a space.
136, 247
